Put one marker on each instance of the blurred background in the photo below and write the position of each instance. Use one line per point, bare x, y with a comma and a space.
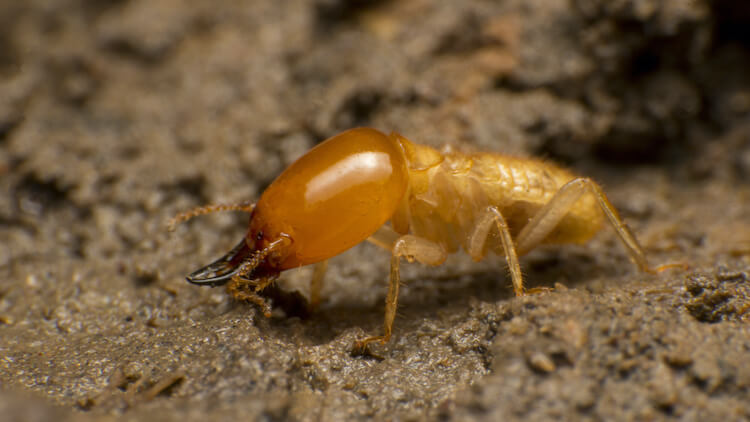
117, 114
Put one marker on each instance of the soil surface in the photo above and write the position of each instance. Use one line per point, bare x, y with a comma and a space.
117, 114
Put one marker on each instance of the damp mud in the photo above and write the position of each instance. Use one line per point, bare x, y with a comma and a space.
117, 115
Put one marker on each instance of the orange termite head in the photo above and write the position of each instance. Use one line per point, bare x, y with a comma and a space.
327, 201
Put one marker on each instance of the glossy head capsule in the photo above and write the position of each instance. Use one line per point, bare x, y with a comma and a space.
329, 200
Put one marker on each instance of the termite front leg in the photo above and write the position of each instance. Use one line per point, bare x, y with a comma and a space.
478, 238
549, 216
243, 290
413, 248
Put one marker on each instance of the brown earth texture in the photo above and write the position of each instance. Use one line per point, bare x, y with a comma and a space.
117, 114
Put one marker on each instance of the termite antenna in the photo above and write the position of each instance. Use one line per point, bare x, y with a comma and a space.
207, 209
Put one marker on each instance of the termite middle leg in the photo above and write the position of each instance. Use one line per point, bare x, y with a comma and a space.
478, 237
413, 248
549, 216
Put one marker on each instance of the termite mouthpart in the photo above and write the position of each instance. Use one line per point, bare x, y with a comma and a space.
222, 270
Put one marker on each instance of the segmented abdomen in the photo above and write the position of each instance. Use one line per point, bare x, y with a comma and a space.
509, 179
446, 199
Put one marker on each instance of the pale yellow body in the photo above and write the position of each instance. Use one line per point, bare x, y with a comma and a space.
482, 201
449, 192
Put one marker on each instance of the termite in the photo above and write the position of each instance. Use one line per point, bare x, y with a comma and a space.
345, 190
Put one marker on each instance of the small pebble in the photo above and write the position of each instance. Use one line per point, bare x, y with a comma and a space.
541, 362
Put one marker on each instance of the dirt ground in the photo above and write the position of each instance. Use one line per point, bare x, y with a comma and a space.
117, 114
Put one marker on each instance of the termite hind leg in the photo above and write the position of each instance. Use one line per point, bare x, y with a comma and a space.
413, 248
478, 238
207, 209
316, 283
549, 216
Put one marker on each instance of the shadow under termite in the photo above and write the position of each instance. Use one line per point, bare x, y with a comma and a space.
426, 295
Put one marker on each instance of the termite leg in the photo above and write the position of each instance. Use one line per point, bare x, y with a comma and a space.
242, 289
207, 209
413, 248
548, 217
478, 238
316, 283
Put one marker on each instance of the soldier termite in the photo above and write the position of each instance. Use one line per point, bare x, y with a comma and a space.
344, 190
